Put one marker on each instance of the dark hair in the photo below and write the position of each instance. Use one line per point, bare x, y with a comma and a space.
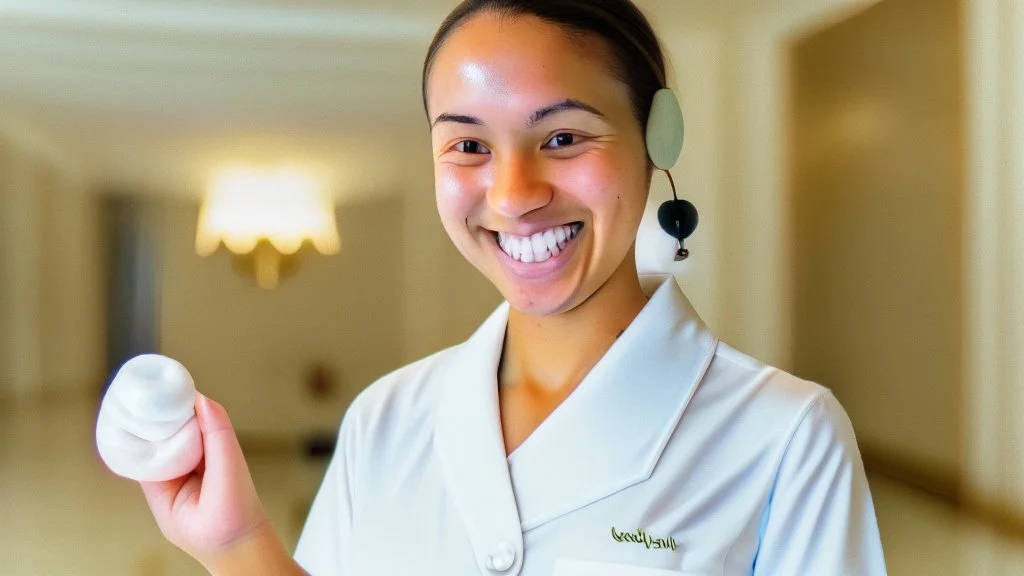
637, 57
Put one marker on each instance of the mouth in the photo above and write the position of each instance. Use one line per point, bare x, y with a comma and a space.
541, 246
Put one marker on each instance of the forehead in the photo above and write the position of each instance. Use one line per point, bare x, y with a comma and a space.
512, 59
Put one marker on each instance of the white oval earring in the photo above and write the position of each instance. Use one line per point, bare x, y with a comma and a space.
665, 129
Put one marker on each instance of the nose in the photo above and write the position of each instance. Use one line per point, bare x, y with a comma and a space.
519, 187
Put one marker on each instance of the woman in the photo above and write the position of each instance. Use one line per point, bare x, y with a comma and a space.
592, 425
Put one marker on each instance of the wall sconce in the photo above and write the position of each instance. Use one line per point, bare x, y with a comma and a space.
263, 217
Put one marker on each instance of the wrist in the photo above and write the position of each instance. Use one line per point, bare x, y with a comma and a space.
258, 553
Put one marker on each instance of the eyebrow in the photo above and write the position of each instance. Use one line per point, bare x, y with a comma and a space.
567, 104
536, 117
456, 118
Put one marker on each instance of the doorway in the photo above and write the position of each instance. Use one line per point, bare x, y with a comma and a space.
877, 186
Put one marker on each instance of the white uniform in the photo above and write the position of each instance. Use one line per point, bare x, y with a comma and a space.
675, 455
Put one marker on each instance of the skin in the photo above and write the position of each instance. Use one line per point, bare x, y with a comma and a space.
495, 170
498, 173
214, 513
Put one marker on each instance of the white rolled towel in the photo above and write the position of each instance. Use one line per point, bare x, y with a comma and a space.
147, 429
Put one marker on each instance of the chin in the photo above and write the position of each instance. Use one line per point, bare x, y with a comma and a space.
539, 309
547, 299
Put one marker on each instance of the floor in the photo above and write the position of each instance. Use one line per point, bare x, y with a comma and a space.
62, 513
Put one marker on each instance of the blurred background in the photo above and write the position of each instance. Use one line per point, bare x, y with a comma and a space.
858, 166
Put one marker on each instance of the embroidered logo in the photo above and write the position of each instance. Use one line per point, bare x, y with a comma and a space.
641, 537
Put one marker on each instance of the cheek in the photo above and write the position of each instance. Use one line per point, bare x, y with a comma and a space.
457, 193
612, 191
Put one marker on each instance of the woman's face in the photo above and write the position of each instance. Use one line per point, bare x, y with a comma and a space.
540, 166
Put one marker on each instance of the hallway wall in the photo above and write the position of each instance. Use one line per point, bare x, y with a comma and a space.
877, 203
993, 41
51, 304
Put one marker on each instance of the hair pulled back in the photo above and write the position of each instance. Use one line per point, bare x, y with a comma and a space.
637, 58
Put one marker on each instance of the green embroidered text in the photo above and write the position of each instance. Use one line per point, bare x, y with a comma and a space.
641, 537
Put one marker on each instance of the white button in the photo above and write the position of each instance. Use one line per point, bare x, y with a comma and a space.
502, 558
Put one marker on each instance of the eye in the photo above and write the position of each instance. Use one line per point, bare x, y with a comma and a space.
471, 147
562, 140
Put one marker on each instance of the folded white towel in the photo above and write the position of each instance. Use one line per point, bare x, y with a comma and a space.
146, 429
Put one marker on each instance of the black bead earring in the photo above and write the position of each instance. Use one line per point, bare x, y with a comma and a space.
678, 218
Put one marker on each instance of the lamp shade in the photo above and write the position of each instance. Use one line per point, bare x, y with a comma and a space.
285, 207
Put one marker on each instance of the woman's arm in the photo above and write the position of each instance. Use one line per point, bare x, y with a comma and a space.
821, 519
214, 513
259, 554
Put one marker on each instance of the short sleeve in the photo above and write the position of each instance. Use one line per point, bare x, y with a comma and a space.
820, 518
324, 540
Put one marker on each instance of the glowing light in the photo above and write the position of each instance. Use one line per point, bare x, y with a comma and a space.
285, 207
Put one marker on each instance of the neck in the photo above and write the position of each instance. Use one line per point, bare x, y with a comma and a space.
552, 354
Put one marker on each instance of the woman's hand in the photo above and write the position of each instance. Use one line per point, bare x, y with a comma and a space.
214, 513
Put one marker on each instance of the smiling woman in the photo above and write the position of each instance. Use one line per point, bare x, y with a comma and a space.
534, 149
594, 408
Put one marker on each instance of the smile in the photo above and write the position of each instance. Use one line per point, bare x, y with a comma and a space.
541, 246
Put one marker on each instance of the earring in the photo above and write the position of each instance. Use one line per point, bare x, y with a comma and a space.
678, 218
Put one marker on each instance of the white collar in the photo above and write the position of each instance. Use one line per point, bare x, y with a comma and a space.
606, 436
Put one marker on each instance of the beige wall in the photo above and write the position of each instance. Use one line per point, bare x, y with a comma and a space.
394, 294
72, 287
994, 268
756, 302
21, 231
51, 320
876, 226
251, 349
733, 71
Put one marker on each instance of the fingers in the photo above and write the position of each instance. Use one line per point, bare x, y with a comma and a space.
161, 496
220, 469
223, 460
172, 503
215, 504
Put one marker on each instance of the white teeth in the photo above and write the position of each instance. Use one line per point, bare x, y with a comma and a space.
538, 247
551, 242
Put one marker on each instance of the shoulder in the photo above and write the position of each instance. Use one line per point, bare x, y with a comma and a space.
817, 517
406, 396
732, 373
765, 402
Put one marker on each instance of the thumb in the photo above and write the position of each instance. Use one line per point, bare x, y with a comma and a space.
222, 453
212, 416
